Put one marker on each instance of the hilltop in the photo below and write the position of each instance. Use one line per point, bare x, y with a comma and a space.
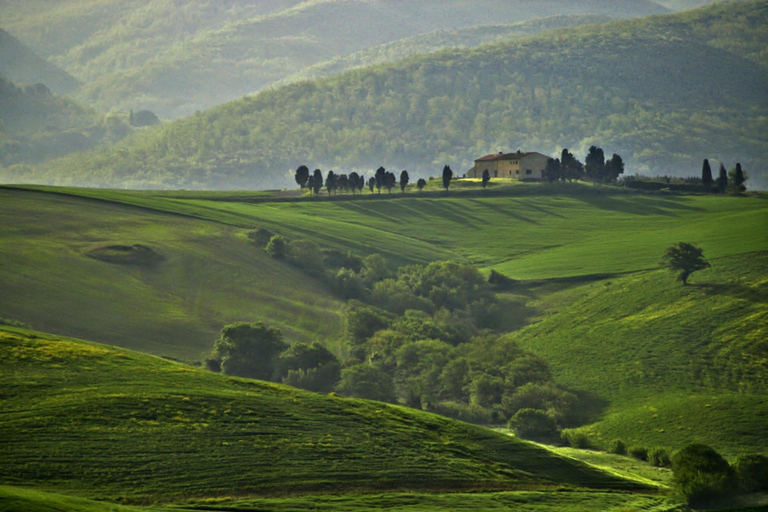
173, 61
634, 87
117, 425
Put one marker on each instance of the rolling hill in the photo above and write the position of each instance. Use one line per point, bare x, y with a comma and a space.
99, 422
20, 64
634, 87
658, 363
155, 55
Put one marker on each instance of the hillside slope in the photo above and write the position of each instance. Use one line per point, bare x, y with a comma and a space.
207, 275
676, 364
633, 87
435, 41
107, 423
141, 54
20, 64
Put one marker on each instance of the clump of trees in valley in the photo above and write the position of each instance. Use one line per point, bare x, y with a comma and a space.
426, 336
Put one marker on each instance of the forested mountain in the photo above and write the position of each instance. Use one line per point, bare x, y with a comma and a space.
438, 40
22, 65
175, 59
664, 92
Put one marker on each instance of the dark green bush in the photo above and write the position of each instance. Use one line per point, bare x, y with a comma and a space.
575, 438
276, 247
702, 474
752, 469
638, 452
261, 236
659, 457
618, 447
533, 424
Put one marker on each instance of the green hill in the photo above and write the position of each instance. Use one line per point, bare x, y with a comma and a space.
100, 422
207, 275
171, 60
436, 41
674, 364
20, 64
633, 87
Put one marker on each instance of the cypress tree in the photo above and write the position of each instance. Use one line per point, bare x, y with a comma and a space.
739, 179
722, 180
706, 174
404, 179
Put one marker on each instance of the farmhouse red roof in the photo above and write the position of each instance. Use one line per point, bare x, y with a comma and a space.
502, 156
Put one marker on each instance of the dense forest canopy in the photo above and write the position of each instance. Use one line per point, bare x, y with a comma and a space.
664, 92
174, 58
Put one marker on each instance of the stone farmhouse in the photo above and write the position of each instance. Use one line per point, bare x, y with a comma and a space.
521, 166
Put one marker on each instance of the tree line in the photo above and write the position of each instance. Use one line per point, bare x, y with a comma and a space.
596, 168
733, 181
356, 183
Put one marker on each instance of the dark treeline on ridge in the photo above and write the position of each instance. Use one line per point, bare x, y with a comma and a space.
634, 85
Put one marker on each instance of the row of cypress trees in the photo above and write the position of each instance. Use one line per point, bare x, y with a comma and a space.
736, 179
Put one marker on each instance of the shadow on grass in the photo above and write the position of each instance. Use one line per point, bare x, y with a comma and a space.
639, 205
757, 295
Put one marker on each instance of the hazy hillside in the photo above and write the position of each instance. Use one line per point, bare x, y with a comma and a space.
36, 124
435, 41
633, 87
20, 64
140, 54
112, 424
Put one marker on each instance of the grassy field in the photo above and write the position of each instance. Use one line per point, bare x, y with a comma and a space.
106, 423
673, 364
14, 499
209, 274
531, 232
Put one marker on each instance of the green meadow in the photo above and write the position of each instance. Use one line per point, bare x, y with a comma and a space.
111, 424
653, 362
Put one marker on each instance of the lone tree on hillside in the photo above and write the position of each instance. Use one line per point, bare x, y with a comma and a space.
404, 179
447, 177
706, 175
685, 259
302, 176
486, 178
421, 184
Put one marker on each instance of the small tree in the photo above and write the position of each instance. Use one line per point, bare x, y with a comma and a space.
533, 424
404, 179
486, 178
685, 259
331, 182
302, 176
447, 177
702, 474
737, 179
421, 184
366, 381
276, 247
381, 178
390, 180
248, 350
317, 181
354, 182
614, 168
553, 170
371, 184
595, 164
722, 179
706, 175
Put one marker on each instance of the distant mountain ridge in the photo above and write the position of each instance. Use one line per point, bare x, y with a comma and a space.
175, 59
634, 87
